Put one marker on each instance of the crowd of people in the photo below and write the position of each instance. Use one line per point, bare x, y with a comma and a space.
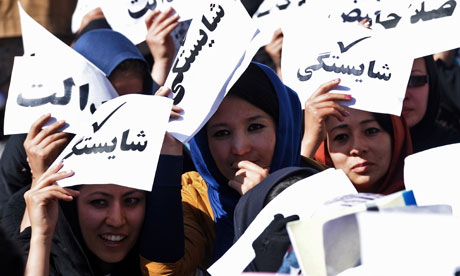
206, 193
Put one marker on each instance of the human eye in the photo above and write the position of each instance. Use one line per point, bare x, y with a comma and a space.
371, 131
132, 201
342, 137
255, 126
98, 203
221, 133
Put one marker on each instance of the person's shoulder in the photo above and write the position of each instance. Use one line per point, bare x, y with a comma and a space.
312, 163
195, 193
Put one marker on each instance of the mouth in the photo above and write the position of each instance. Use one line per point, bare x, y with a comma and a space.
361, 167
112, 238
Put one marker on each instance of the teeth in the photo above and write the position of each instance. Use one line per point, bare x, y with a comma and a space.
114, 238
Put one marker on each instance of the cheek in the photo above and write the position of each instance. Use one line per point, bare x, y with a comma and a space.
338, 159
89, 218
219, 150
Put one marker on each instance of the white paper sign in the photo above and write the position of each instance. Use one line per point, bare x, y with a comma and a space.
128, 16
409, 244
120, 144
432, 181
69, 89
212, 58
271, 13
304, 198
367, 64
422, 24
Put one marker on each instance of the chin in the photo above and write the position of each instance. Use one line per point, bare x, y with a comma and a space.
111, 257
363, 184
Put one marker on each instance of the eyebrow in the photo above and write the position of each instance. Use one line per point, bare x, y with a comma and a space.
250, 119
342, 126
110, 195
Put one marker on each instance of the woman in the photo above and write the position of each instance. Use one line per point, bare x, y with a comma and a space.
26, 157
255, 131
96, 233
22, 150
369, 147
421, 107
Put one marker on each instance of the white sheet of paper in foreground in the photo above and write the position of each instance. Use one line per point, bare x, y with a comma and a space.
409, 244
365, 62
120, 145
214, 51
128, 16
303, 198
434, 176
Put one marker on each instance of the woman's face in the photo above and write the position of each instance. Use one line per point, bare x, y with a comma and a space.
127, 83
240, 131
110, 218
360, 147
416, 100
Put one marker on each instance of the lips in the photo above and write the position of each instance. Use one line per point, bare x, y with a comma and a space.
361, 167
112, 238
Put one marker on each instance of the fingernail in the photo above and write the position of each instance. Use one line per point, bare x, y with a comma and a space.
348, 96
347, 113
337, 80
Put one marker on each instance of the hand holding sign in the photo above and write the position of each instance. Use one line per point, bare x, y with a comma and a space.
159, 27
318, 107
43, 145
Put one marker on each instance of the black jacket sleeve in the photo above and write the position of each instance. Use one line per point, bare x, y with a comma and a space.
162, 238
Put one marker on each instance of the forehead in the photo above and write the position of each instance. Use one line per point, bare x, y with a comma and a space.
233, 107
110, 189
355, 119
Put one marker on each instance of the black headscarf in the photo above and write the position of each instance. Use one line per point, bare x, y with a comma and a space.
429, 133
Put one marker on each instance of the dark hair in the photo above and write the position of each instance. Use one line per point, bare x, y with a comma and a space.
384, 120
256, 88
131, 67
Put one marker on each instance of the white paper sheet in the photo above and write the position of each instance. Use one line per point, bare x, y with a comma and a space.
366, 62
56, 80
128, 16
434, 176
215, 53
409, 244
120, 144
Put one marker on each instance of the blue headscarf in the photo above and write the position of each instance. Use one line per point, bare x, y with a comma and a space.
223, 199
107, 48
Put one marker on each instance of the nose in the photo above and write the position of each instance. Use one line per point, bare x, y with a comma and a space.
116, 215
241, 144
359, 145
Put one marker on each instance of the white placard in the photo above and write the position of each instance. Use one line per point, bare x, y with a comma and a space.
409, 244
366, 62
271, 13
69, 89
304, 198
128, 16
120, 144
424, 25
434, 176
213, 56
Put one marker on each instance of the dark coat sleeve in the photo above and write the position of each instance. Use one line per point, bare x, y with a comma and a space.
14, 169
162, 238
